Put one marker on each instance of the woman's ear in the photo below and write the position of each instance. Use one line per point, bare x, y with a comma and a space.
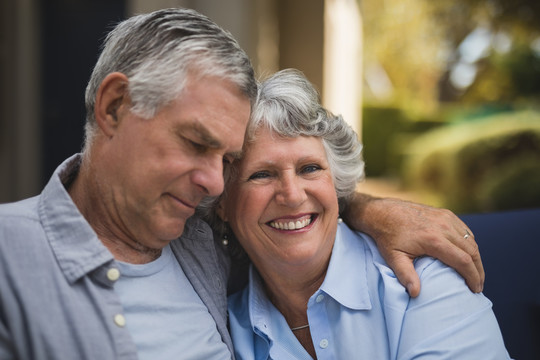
111, 96
220, 210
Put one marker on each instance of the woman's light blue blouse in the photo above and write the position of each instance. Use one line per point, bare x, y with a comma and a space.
361, 311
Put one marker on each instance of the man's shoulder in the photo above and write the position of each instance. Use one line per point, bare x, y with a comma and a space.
21, 230
197, 238
19, 213
197, 228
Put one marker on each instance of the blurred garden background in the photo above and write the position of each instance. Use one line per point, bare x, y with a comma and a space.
451, 102
445, 94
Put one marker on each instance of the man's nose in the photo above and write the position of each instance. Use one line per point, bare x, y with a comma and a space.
209, 176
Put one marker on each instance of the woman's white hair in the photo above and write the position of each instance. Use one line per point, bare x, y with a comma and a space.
289, 106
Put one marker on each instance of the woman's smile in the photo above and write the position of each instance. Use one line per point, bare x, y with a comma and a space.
293, 223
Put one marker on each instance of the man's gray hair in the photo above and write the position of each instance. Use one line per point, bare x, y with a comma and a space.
157, 50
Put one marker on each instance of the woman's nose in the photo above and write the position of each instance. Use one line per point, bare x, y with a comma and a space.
291, 192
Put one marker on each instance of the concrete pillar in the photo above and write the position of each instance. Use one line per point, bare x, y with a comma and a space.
342, 81
20, 125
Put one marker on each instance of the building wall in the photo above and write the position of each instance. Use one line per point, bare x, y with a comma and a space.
20, 139
47, 55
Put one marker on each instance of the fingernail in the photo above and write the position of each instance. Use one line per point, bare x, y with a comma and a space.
409, 287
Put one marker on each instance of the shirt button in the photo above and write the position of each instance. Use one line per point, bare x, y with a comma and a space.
217, 282
119, 320
323, 344
113, 274
319, 298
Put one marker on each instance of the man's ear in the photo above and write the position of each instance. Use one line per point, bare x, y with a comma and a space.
111, 96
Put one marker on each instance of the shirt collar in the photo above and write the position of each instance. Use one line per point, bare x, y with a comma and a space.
259, 304
345, 281
346, 277
73, 241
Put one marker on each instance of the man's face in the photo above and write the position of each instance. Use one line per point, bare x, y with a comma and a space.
164, 166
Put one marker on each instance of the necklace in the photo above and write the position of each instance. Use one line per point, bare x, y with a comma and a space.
299, 327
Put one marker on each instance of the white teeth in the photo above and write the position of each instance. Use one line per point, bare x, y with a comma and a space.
291, 225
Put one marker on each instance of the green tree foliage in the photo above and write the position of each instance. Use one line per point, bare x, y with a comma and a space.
403, 42
416, 44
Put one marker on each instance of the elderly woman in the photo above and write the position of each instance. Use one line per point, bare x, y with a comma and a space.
317, 289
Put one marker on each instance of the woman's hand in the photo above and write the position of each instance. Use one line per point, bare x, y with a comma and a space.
405, 230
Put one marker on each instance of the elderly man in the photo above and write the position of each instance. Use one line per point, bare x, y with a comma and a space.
108, 262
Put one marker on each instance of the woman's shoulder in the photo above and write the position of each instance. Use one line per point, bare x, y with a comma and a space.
420, 264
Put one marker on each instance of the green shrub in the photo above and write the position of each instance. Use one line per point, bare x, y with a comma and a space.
384, 129
485, 165
378, 126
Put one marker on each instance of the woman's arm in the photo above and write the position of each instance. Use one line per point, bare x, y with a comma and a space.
405, 230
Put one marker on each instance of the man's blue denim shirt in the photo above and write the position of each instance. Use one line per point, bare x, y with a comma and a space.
57, 299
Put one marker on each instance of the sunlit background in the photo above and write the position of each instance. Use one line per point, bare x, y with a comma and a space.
451, 100
444, 94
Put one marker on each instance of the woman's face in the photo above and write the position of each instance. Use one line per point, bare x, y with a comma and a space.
283, 206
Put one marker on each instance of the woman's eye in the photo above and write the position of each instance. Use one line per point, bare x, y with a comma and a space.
310, 169
259, 175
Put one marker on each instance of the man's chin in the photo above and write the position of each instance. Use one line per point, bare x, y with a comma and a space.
167, 227
173, 231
